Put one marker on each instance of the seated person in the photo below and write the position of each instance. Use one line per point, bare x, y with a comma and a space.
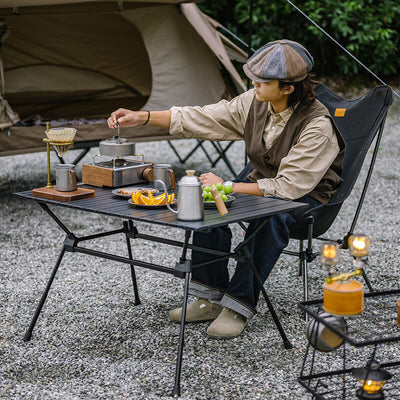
296, 152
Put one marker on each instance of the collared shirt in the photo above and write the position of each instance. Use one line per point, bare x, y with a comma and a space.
299, 172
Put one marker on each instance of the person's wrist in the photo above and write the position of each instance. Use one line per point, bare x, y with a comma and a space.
147, 118
229, 183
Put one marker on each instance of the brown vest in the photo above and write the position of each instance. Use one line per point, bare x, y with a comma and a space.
266, 163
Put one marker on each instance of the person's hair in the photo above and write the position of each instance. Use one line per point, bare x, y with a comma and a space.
303, 91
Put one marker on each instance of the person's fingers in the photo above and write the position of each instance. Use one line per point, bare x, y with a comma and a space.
209, 178
112, 121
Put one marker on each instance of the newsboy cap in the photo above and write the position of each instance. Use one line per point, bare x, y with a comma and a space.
282, 60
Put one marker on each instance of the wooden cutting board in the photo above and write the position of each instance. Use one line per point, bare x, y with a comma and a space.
53, 194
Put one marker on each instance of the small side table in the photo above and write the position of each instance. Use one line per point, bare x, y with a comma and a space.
328, 376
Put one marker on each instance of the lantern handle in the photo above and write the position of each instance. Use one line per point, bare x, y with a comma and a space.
343, 277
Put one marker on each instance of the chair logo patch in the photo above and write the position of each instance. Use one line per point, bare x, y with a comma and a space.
339, 112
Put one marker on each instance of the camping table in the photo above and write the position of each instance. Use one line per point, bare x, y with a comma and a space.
244, 208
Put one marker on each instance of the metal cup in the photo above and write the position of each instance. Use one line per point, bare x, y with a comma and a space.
66, 178
165, 173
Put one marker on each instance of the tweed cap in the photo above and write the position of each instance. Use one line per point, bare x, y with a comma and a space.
282, 60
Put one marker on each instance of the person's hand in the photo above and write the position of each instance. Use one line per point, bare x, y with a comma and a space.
124, 117
209, 179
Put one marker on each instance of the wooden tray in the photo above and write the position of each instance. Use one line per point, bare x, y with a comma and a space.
53, 194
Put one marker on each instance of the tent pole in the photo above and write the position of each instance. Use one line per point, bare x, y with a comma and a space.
249, 53
249, 49
341, 46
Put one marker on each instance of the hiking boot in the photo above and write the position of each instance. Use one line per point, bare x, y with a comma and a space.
199, 311
228, 325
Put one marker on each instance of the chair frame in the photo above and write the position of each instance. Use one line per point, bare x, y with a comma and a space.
218, 148
306, 253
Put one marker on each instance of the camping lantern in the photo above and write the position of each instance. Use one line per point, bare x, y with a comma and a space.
321, 337
329, 253
371, 380
359, 245
343, 296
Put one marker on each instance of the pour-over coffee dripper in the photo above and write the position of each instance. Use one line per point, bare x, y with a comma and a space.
61, 139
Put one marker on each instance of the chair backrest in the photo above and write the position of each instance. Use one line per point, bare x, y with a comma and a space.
359, 120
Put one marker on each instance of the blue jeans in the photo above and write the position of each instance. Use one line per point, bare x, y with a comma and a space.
241, 292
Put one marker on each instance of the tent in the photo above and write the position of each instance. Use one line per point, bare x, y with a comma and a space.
72, 62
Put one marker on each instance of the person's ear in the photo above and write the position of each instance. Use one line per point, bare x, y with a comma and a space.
288, 89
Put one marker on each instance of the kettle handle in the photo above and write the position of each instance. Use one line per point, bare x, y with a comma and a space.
166, 195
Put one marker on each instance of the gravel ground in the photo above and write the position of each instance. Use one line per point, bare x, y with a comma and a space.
92, 342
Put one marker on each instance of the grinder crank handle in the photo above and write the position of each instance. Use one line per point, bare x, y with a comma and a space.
116, 134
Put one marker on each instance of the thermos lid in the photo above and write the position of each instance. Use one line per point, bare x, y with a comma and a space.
189, 179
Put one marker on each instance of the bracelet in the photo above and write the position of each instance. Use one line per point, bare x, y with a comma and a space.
148, 118
230, 183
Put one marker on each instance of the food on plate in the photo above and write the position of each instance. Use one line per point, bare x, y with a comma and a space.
150, 200
147, 191
223, 190
129, 191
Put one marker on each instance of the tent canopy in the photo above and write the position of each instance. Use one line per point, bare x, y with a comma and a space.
76, 60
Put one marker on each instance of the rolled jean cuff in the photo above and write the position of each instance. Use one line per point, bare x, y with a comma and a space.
205, 292
235, 305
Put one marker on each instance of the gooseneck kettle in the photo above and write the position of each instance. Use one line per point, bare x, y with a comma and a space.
190, 198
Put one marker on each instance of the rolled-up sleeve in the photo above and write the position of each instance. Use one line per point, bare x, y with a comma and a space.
306, 163
224, 120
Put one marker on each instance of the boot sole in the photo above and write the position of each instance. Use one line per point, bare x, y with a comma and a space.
194, 321
198, 321
223, 337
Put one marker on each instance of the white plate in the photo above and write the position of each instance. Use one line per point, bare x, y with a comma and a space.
126, 196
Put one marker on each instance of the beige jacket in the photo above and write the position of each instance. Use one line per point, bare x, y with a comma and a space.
226, 120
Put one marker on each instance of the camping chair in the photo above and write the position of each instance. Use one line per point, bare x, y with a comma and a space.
221, 151
359, 121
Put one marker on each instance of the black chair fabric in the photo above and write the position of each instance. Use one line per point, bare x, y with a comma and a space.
359, 121
359, 125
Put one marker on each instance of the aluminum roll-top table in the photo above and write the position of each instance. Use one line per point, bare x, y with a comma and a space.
244, 208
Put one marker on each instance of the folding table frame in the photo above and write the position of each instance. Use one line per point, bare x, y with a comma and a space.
261, 208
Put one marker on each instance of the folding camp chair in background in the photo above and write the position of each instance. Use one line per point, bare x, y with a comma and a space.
218, 147
360, 121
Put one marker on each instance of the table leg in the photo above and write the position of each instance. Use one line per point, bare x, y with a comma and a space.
177, 387
28, 333
128, 226
185, 266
